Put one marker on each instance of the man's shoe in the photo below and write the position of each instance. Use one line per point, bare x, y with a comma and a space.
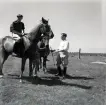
57, 74
47, 60
59, 71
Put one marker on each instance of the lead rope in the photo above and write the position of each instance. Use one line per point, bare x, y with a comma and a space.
52, 56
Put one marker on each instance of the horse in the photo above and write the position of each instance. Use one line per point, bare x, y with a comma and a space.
30, 41
43, 59
41, 54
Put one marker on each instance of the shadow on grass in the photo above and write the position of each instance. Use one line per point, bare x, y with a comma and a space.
51, 80
54, 81
54, 71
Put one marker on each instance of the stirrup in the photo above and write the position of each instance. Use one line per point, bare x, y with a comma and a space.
16, 55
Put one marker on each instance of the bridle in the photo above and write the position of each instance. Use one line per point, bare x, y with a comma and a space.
45, 30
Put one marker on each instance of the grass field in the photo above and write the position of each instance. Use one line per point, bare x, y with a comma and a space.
84, 85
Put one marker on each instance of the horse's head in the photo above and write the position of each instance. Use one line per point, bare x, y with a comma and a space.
42, 29
47, 32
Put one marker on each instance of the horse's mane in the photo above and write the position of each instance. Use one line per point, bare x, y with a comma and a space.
34, 33
35, 29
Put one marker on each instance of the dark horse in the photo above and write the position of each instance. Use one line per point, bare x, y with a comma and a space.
43, 52
41, 55
30, 42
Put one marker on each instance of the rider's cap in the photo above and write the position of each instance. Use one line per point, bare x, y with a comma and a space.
19, 15
64, 34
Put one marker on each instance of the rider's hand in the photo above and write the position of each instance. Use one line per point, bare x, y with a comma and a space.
25, 33
52, 50
57, 50
20, 35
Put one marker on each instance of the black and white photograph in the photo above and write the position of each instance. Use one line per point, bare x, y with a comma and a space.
52, 52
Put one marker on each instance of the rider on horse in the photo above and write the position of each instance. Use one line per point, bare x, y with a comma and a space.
17, 28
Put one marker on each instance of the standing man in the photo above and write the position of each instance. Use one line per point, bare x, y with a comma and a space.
17, 28
62, 57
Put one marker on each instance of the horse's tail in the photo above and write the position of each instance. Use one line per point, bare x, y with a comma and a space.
7, 43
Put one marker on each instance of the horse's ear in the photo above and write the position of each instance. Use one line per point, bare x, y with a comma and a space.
44, 20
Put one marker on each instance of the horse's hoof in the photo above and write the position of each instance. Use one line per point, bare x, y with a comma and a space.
30, 75
35, 75
21, 81
20, 76
1, 76
45, 70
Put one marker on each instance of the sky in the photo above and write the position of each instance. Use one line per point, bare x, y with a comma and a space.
84, 21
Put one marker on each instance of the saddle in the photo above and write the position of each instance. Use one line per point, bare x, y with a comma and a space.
8, 43
21, 46
17, 46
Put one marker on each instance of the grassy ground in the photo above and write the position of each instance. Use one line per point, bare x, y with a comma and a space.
84, 85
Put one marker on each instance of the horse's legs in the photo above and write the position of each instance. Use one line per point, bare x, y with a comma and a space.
40, 62
22, 66
37, 62
34, 66
30, 67
3, 56
44, 64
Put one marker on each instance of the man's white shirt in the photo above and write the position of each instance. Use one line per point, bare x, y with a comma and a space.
64, 45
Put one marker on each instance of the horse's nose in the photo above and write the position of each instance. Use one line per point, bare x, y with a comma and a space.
47, 46
52, 35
